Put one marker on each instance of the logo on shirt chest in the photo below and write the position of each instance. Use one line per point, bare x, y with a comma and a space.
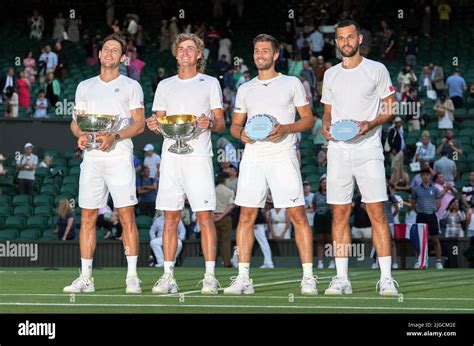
116, 90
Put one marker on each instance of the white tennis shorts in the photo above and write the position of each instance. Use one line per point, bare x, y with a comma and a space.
365, 166
101, 175
279, 173
186, 176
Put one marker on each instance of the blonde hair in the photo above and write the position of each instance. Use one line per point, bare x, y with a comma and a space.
63, 208
201, 63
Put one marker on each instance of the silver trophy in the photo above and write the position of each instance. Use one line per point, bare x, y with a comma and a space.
181, 128
94, 124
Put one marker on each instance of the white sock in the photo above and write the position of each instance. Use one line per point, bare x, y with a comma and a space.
210, 265
307, 269
168, 266
342, 266
244, 269
385, 264
132, 265
86, 265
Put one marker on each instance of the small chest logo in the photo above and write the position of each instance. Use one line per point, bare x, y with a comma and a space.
116, 90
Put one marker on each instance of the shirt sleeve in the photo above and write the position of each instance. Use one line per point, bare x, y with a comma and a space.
437, 194
384, 85
299, 94
216, 95
239, 101
326, 97
136, 99
80, 101
159, 103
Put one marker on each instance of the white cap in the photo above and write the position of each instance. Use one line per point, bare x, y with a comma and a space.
148, 147
28, 145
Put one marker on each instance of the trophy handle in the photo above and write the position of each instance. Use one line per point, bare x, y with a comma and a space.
118, 122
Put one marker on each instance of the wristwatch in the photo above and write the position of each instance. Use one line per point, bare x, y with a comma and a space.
211, 124
117, 136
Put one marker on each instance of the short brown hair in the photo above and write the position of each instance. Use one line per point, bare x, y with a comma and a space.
267, 38
201, 63
116, 37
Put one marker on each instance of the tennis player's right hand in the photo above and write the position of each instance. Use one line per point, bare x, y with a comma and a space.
152, 124
82, 141
325, 132
244, 138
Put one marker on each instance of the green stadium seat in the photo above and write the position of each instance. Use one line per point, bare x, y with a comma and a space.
71, 179
74, 162
468, 132
100, 234
43, 210
49, 189
69, 154
23, 210
30, 234
144, 234
52, 152
48, 236
5, 200
67, 196
58, 161
144, 221
17, 222
310, 169
69, 189
8, 234
37, 221
313, 179
75, 170
6, 210
43, 200
6, 181
21, 200
42, 172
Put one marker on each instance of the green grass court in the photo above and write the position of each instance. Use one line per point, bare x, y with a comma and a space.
27, 290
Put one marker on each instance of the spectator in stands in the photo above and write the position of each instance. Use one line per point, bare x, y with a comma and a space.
307, 88
411, 50
243, 79
11, 103
104, 219
406, 77
412, 22
140, 39
306, 50
425, 166
231, 181
308, 202
41, 105
450, 144
278, 224
456, 87
6, 81
308, 73
222, 66
413, 108
116, 26
425, 200
23, 86
468, 191
174, 30
222, 217
26, 166
3, 171
399, 178
322, 157
73, 29
426, 151
225, 45
318, 139
158, 78
156, 238
366, 44
470, 220
49, 58
362, 227
446, 167
437, 78
62, 60
164, 36
288, 37
147, 187
396, 139
53, 89
227, 152
447, 193
425, 78
445, 109
426, 21
36, 23
65, 226
59, 27
47, 161
389, 44
322, 221
316, 41
29, 63
152, 161
300, 41
92, 52
135, 67
444, 11
454, 218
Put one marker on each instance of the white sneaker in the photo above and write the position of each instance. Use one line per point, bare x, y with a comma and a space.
417, 265
339, 286
210, 284
82, 284
267, 266
394, 265
240, 285
159, 265
308, 285
234, 262
439, 265
332, 265
166, 284
374, 265
320, 265
387, 287
133, 285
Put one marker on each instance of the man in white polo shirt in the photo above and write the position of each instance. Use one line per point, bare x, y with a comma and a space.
152, 161
271, 164
357, 89
109, 169
190, 175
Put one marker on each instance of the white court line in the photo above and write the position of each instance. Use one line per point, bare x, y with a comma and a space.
245, 306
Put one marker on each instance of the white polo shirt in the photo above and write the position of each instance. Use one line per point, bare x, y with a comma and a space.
117, 97
357, 94
196, 96
277, 97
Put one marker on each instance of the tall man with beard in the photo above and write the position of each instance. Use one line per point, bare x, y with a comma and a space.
356, 89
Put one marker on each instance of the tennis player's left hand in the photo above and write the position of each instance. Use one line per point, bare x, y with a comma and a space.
279, 131
107, 140
364, 127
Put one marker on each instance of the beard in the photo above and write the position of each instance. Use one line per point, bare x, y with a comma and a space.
353, 52
265, 65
